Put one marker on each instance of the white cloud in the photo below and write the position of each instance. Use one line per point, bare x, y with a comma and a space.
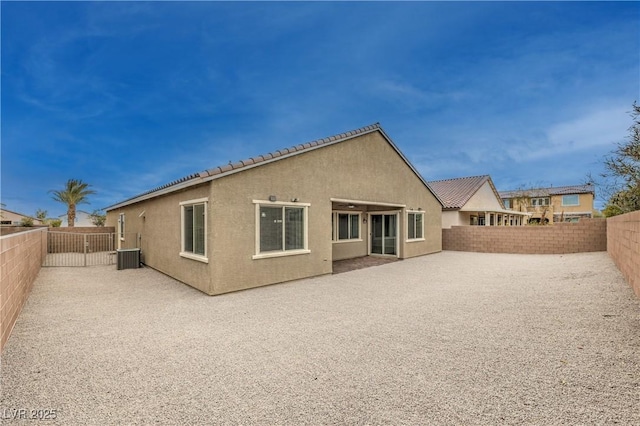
598, 128
412, 96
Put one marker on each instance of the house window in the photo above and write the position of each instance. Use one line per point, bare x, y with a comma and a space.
346, 226
121, 226
571, 200
415, 226
507, 203
194, 229
541, 201
281, 229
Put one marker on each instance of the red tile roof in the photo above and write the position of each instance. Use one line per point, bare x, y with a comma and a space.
455, 193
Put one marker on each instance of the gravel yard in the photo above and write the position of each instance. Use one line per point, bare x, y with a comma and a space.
450, 338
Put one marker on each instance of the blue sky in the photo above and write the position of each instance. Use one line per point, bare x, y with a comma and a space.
128, 96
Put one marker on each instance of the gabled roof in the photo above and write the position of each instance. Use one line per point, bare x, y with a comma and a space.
546, 192
231, 168
19, 214
455, 193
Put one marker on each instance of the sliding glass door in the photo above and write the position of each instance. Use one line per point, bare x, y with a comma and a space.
384, 231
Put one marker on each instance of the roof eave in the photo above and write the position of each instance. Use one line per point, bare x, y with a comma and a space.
204, 177
158, 193
413, 169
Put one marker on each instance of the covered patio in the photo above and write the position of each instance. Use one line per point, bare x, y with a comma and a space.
366, 228
496, 217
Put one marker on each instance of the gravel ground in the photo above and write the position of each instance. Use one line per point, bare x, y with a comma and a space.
450, 338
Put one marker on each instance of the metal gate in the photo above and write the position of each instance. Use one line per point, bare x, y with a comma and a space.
80, 249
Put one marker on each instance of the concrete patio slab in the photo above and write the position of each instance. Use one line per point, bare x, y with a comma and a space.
450, 338
347, 265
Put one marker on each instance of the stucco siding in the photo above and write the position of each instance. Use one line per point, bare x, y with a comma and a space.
451, 218
483, 200
351, 249
365, 168
585, 204
160, 231
556, 210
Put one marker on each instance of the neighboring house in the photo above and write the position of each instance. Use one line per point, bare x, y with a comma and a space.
82, 219
285, 215
473, 201
9, 218
554, 204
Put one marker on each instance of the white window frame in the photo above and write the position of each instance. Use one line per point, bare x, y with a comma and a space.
121, 226
416, 212
336, 238
537, 202
188, 254
283, 252
571, 195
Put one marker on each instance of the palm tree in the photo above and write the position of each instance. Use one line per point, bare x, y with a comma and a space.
75, 192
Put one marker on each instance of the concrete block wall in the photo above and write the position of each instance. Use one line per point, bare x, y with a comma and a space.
21, 256
585, 236
7, 229
623, 245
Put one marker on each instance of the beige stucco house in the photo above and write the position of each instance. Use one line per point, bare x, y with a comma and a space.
8, 217
553, 204
285, 215
83, 219
473, 200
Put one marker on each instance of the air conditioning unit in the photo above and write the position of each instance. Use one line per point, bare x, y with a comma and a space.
129, 259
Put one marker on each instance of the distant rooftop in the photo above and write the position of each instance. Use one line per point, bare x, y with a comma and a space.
455, 193
546, 192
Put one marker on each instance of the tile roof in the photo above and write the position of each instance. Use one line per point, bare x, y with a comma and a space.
455, 193
546, 192
287, 151
220, 171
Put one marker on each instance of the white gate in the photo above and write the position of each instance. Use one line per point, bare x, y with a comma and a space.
80, 249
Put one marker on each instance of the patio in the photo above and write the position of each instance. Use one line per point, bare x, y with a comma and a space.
347, 265
450, 338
